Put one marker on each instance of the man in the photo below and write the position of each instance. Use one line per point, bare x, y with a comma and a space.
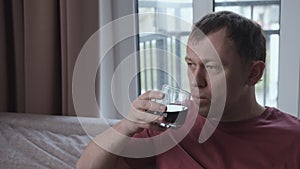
248, 134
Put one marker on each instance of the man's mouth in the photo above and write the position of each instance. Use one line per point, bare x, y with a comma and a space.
200, 98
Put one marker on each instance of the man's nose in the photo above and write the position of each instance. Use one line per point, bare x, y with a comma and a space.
200, 76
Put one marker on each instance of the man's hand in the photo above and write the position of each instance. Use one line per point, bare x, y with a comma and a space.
139, 117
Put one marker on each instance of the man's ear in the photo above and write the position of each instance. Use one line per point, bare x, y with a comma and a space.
256, 71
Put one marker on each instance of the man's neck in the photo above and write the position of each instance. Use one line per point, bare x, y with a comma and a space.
247, 109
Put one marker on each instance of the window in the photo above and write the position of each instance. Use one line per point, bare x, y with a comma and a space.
267, 14
166, 41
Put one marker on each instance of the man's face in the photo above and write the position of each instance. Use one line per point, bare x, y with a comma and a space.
213, 62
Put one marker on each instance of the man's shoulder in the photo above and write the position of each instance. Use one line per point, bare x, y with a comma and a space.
281, 116
286, 122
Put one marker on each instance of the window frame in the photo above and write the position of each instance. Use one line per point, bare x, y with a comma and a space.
111, 11
289, 58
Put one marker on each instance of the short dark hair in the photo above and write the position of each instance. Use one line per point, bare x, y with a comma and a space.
246, 35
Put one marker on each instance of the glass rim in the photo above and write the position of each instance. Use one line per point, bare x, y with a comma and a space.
176, 89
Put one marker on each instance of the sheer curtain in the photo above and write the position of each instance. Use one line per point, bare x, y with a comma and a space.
39, 44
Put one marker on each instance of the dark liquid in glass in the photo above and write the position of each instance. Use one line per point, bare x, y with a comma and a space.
175, 113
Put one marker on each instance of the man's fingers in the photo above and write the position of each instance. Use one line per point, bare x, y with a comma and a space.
152, 95
147, 105
143, 108
151, 126
143, 117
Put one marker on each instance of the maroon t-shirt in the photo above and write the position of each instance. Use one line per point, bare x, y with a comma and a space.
270, 141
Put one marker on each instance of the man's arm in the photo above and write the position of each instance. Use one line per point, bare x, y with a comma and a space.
94, 156
115, 138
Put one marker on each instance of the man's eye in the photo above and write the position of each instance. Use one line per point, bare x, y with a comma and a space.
213, 67
191, 65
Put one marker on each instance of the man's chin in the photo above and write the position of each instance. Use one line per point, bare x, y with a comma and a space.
203, 111
203, 114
